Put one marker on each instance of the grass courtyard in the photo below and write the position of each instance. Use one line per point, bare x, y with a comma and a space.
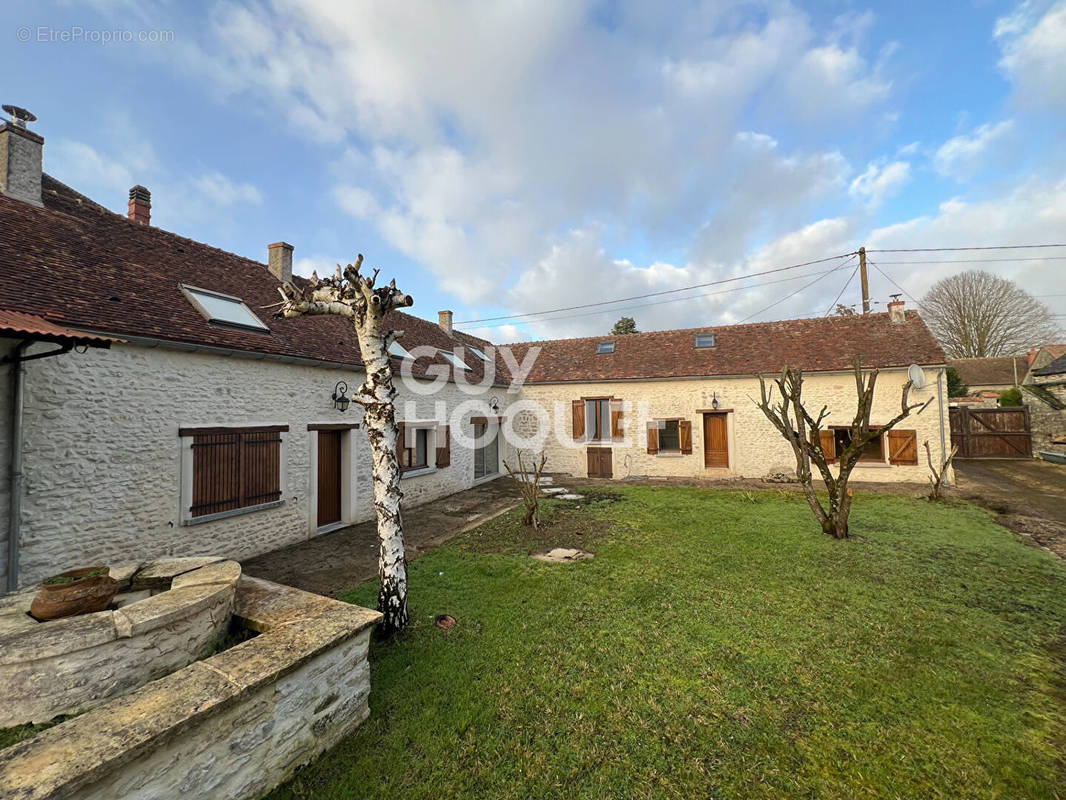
718, 645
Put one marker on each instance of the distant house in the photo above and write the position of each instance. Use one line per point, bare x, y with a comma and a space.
1047, 384
991, 376
682, 403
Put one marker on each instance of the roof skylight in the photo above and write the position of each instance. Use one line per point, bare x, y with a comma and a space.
479, 353
605, 347
704, 340
398, 350
454, 359
223, 309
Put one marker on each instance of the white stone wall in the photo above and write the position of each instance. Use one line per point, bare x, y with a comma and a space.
756, 448
253, 745
7, 346
103, 457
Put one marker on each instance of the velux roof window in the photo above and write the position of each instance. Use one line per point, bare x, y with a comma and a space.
704, 340
478, 352
605, 347
454, 359
398, 350
223, 309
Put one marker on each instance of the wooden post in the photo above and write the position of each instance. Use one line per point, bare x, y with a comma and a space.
865, 281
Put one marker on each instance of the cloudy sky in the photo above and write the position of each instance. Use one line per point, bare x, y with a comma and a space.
500, 157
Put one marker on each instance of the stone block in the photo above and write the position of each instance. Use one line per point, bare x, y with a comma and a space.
169, 607
58, 637
219, 572
128, 598
123, 574
159, 574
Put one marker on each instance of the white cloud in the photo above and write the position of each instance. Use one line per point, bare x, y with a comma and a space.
1034, 54
222, 191
878, 182
966, 154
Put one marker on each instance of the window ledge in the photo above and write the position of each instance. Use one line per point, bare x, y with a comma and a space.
414, 473
874, 464
234, 512
670, 454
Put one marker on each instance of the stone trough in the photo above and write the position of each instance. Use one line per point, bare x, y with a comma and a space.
233, 725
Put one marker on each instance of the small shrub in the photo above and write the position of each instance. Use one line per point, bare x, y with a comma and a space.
1011, 397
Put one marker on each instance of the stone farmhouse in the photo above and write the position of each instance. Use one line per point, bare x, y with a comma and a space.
151, 405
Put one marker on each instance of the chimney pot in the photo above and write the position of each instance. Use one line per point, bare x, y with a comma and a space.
21, 152
444, 319
280, 261
896, 313
140, 209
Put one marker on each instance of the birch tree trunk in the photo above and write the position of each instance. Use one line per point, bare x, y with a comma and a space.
353, 295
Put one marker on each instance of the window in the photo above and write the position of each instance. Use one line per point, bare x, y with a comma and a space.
223, 309
452, 357
704, 340
605, 347
234, 468
398, 350
598, 414
479, 353
670, 437
413, 447
874, 450
486, 450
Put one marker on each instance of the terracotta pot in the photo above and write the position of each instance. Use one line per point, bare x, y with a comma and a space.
84, 594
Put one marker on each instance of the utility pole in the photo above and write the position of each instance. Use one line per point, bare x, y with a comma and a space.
865, 281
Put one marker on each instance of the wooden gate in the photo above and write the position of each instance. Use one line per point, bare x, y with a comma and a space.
991, 432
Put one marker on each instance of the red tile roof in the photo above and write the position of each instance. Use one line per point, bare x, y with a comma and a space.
824, 343
15, 323
996, 371
78, 265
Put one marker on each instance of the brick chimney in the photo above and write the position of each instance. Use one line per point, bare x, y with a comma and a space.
280, 261
895, 311
21, 151
140, 205
444, 319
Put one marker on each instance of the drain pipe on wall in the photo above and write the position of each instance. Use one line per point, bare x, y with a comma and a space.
18, 392
940, 403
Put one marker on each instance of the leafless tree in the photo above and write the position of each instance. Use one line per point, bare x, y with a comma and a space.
804, 432
354, 295
527, 480
937, 478
977, 314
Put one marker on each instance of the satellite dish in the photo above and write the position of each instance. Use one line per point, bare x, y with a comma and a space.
917, 376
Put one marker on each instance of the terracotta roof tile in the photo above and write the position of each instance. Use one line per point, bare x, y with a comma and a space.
19, 324
997, 371
825, 343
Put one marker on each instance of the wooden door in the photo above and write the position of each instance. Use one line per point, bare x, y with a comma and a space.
329, 477
599, 462
715, 441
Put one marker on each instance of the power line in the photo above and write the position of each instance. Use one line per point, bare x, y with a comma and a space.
842, 290
890, 280
655, 294
783, 299
979, 260
958, 249
676, 299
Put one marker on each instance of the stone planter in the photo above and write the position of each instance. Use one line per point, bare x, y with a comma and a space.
79, 591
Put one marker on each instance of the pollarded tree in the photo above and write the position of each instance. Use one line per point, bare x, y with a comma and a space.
977, 314
354, 295
804, 432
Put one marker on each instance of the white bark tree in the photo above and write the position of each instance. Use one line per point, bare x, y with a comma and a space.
354, 295
977, 314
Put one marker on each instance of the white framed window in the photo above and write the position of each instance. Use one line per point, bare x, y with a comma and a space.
399, 351
223, 309
604, 347
704, 340
454, 359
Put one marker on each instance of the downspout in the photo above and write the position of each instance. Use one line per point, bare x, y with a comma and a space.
940, 403
18, 376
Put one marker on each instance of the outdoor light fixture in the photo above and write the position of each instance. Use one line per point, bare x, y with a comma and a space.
494, 404
714, 401
340, 396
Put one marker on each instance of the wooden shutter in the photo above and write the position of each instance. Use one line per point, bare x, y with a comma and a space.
617, 423
578, 414
829, 444
444, 452
235, 469
684, 433
653, 438
903, 447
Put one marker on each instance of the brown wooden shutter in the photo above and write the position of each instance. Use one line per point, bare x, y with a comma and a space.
653, 438
234, 470
444, 453
903, 447
617, 423
829, 444
684, 432
578, 414
260, 468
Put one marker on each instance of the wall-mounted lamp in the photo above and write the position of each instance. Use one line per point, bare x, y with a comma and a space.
340, 396
714, 401
494, 404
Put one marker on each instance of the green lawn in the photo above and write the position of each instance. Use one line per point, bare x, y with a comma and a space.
719, 645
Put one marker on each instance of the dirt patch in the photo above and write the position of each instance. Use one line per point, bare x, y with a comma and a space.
567, 524
562, 555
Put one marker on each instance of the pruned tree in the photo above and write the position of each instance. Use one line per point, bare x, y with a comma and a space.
803, 431
527, 481
624, 325
937, 477
977, 314
354, 295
